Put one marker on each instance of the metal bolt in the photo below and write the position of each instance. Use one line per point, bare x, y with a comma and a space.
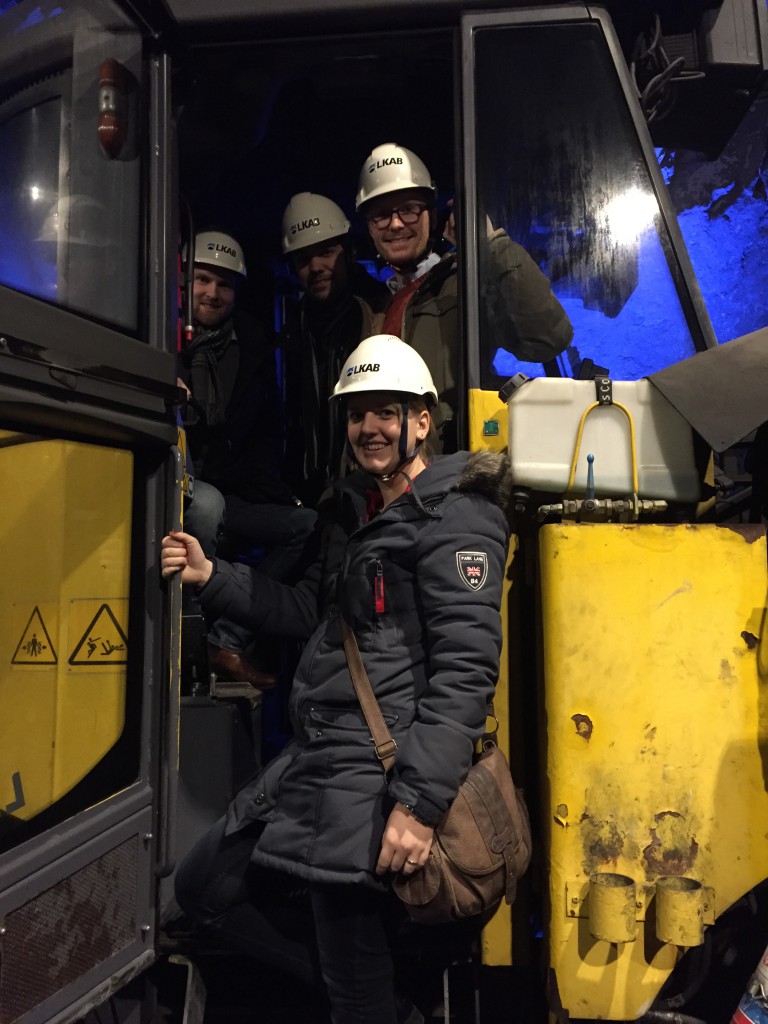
3, 342
2, 929
574, 899
147, 837
639, 904
146, 928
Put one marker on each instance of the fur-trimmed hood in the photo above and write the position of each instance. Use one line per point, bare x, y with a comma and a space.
487, 473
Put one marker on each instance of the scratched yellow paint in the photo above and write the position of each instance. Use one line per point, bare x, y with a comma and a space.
656, 690
66, 532
496, 941
487, 406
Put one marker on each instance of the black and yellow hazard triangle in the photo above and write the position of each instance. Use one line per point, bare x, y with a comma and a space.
35, 646
103, 642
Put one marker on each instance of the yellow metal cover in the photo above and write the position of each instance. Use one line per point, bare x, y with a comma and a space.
656, 690
66, 536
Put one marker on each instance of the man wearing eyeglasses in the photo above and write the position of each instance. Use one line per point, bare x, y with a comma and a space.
397, 197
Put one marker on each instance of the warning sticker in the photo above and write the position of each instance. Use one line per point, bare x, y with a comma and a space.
103, 641
35, 646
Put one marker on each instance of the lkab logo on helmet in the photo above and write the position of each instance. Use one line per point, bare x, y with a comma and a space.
312, 222
363, 368
386, 161
218, 247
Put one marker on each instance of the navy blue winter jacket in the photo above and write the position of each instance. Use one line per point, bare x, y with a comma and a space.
420, 584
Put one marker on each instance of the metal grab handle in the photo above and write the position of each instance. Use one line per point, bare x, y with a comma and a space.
169, 770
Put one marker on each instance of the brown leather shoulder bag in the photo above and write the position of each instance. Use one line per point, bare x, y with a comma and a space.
482, 844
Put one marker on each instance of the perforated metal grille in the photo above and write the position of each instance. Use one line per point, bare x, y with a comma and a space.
67, 930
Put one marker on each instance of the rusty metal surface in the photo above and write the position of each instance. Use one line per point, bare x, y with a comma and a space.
656, 693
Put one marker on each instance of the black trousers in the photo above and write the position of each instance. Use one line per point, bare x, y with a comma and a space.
332, 935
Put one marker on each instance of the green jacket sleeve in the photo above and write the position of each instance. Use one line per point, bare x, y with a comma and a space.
518, 295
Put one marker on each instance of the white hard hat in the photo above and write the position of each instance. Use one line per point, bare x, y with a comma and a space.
390, 168
216, 249
385, 363
311, 218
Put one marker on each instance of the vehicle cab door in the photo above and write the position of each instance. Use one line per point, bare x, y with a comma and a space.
90, 478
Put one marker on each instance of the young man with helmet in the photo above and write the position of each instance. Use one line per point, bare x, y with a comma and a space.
412, 554
335, 312
234, 435
397, 197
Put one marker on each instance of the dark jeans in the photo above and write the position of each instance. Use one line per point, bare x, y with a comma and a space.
204, 516
282, 531
336, 934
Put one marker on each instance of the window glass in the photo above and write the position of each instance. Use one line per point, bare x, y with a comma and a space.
69, 157
69, 735
560, 168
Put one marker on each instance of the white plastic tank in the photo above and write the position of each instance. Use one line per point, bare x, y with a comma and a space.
544, 415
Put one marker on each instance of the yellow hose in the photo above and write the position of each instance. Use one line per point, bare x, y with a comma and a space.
580, 432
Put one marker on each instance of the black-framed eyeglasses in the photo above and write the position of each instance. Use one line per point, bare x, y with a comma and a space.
407, 214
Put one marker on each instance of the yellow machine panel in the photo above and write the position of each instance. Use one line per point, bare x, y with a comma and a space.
66, 535
488, 421
656, 690
488, 430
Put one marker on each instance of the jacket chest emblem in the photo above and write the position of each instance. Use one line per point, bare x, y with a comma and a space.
473, 568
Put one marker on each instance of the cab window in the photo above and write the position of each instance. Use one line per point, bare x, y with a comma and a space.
69, 160
559, 165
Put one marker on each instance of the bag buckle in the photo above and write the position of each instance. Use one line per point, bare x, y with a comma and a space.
386, 749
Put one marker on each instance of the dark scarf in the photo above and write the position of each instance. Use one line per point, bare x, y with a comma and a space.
203, 356
333, 330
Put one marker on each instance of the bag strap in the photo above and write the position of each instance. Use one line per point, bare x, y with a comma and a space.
384, 744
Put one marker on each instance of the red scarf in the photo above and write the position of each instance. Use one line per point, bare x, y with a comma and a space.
393, 317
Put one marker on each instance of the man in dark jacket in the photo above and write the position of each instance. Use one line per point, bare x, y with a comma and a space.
233, 427
396, 195
336, 312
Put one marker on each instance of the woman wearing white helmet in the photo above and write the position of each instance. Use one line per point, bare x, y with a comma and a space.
411, 553
397, 197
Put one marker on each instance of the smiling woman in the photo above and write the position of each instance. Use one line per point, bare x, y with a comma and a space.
389, 392
394, 538
377, 424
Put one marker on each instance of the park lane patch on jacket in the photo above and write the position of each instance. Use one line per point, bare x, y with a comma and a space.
473, 568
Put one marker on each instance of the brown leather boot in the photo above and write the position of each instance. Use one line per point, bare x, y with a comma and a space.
233, 665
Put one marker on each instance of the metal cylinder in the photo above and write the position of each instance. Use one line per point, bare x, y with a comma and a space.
679, 911
612, 907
